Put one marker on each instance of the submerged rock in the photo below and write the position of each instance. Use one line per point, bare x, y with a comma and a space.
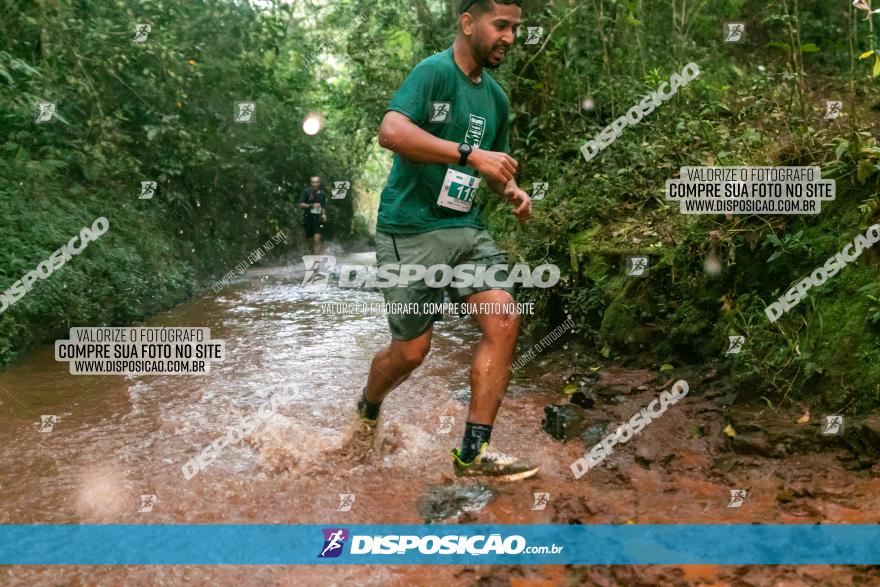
617, 380
754, 443
563, 422
594, 434
579, 398
447, 501
863, 440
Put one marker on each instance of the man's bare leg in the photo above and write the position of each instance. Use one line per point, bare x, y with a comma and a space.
490, 375
393, 365
490, 369
316, 244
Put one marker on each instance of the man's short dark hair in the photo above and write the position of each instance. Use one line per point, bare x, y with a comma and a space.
481, 7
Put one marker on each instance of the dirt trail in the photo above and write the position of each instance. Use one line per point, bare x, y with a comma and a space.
120, 437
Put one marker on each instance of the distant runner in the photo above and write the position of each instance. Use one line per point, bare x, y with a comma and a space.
448, 125
313, 202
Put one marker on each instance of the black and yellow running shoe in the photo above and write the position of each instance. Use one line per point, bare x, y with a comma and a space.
366, 425
491, 464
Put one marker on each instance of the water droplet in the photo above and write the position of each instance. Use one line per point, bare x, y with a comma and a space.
712, 266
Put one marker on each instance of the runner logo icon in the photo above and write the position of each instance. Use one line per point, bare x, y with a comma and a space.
148, 190
346, 500
45, 110
147, 503
318, 271
734, 32
535, 33
541, 501
736, 344
539, 189
47, 423
833, 109
737, 497
440, 111
833, 425
636, 266
334, 541
340, 189
141, 32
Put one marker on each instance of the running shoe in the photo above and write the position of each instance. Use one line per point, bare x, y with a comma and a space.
366, 426
492, 464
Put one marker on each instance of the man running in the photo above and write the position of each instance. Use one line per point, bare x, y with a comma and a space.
313, 202
448, 125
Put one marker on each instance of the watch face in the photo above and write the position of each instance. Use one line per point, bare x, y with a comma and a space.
465, 148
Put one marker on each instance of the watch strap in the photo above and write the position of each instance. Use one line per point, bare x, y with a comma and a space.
463, 155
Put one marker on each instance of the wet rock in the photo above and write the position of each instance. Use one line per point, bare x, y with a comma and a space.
780, 451
617, 380
726, 400
563, 422
784, 496
863, 440
442, 502
772, 436
579, 398
796, 436
648, 453
570, 509
871, 427
768, 436
710, 375
696, 431
555, 378
725, 463
801, 490
753, 443
594, 433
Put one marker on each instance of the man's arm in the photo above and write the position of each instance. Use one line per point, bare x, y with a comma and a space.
501, 188
522, 203
401, 135
516, 195
302, 201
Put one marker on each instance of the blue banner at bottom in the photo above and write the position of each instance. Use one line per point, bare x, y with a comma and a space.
539, 544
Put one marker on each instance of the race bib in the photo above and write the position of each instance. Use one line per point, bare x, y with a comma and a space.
458, 190
316, 209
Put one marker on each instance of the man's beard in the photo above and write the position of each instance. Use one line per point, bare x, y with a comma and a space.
484, 57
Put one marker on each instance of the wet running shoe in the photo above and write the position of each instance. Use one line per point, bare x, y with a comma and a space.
366, 426
491, 464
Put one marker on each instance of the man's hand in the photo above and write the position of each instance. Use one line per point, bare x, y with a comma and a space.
323, 217
521, 201
499, 167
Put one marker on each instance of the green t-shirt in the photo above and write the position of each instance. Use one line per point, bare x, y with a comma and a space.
442, 100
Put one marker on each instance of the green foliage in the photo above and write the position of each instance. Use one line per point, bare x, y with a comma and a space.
160, 110
735, 113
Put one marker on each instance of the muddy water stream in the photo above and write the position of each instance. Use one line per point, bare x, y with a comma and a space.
120, 437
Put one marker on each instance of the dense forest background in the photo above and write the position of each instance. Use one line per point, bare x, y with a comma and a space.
162, 110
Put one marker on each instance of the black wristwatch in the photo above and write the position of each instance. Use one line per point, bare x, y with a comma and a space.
465, 150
